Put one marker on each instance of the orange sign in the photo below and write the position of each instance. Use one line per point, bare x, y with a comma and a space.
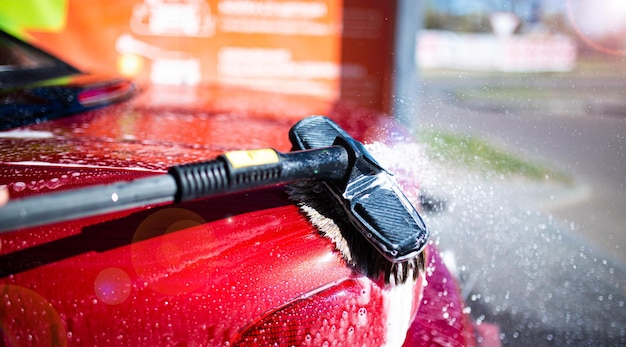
326, 48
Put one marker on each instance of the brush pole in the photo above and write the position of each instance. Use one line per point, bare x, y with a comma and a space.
229, 173
85, 202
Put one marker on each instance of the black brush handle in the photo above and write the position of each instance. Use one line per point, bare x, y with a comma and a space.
249, 169
229, 173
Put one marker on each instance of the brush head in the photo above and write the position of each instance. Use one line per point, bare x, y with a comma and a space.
316, 201
366, 215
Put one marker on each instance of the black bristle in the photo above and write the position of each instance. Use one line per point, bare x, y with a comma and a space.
317, 202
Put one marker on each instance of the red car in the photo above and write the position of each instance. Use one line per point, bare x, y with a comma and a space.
242, 269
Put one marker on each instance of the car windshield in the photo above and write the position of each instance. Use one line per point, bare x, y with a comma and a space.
22, 64
17, 57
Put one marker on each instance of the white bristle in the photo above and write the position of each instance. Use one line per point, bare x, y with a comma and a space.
330, 228
330, 220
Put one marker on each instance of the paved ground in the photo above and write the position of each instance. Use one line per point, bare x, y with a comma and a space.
578, 126
589, 147
525, 269
543, 260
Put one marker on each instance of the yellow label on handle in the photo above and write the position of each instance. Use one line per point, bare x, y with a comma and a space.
240, 159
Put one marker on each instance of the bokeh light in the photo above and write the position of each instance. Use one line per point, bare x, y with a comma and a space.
112, 286
28, 319
166, 247
129, 64
594, 20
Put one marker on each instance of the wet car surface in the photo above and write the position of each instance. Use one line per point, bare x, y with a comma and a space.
241, 269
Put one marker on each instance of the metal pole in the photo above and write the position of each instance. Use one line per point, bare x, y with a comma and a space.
405, 84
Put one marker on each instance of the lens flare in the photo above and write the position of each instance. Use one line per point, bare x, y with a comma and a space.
28, 319
112, 286
167, 247
604, 17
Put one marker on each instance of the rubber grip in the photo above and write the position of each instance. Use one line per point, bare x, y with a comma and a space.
198, 180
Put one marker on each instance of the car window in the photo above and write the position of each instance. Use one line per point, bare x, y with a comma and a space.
14, 57
22, 64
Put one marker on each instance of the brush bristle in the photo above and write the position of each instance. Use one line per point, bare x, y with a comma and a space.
316, 201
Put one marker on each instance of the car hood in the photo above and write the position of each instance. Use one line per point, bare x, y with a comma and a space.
214, 271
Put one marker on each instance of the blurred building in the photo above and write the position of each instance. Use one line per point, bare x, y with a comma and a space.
511, 35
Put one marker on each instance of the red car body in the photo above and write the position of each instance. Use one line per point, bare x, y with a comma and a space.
244, 269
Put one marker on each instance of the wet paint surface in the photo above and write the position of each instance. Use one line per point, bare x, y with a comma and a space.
192, 273
224, 270
442, 318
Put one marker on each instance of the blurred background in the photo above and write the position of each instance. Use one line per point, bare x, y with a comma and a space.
522, 111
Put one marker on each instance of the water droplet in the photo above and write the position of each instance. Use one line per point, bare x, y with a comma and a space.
362, 317
19, 186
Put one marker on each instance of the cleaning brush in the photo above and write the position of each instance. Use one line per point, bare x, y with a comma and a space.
371, 222
346, 194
